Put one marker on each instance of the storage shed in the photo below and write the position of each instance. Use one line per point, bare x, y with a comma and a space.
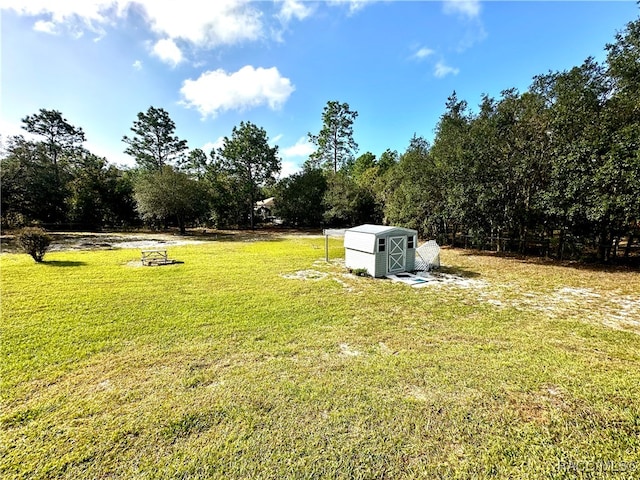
379, 249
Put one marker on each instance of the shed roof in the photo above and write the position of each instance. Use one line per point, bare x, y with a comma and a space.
377, 229
364, 237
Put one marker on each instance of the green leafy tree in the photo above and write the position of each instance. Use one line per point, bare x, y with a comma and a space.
60, 137
154, 143
226, 207
299, 198
388, 160
165, 193
529, 152
45, 164
194, 164
509, 164
623, 117
100, 194
347, 203
249, 159
455, 170
414, 190
363, 163
577, 99
33, 188
623, 60
335, 144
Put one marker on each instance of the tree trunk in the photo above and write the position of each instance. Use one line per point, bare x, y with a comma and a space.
251, 213
560, 252
335, 151
522, 247
627, 249
181, 224
604, 246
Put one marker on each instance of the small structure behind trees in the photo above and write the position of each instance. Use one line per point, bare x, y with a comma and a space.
251, 161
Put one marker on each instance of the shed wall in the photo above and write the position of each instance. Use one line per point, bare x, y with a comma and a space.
410, 261
361, 250
380, 260
356, 259
363, 242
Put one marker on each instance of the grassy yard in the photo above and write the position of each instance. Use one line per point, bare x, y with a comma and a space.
256, 359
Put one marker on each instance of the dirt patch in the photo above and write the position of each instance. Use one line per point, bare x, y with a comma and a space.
605, 308
103, 241
305, 275
347, 351
147, 240
440, 278
134, 264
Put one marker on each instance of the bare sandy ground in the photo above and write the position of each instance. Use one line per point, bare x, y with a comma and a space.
103, 241
108, 241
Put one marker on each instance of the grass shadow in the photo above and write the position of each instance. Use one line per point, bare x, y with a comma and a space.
162, 264
63, 263
260, 233
589, 264
460, 272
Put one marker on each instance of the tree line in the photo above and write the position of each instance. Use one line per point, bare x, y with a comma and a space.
555, 168
56, 182
559, 163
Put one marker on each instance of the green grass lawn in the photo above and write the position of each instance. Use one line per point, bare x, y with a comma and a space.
221, 367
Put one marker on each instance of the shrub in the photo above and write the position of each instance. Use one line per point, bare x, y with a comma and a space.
360, 272
34, 241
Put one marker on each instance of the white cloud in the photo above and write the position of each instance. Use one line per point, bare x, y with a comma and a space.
10, 129
302, 148
207, 147
45, 27
442, 70
204, 24
137, 65
467, 8
218, 91
289, 168
423, 53
207, 24
167, 51
60, 11
115, 156
354, 5
276, 139
292, 156
294, 9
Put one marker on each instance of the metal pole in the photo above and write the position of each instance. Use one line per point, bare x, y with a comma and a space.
326, 248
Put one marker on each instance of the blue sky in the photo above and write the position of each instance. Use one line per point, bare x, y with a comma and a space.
213, 64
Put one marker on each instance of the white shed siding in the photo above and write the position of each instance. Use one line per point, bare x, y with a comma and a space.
356, 259
363, 242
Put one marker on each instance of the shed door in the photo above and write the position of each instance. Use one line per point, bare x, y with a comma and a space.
397, 254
